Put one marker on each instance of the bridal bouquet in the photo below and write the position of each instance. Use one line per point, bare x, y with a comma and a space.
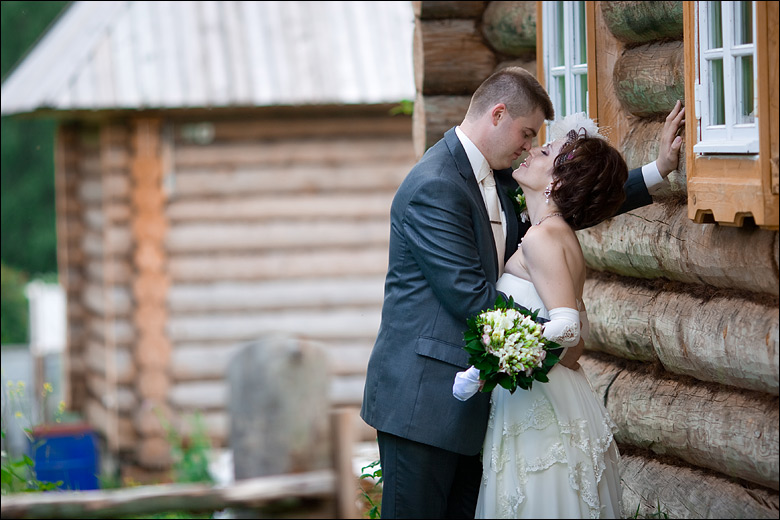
506, 345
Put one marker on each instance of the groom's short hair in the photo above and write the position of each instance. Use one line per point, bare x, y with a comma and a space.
517, 88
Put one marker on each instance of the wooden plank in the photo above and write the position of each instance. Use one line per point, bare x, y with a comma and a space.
269, 265
338, 150
240, 180
192, 361
290, 207
659, 241
140, 500
213, 395
733, 432
275, 294
240, 237
346, 324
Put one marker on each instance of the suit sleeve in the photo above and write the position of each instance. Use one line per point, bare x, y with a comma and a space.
438, 225
636, 192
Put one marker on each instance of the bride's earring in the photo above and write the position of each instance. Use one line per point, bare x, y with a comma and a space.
547, 192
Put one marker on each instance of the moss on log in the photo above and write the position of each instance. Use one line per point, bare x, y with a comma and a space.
650, 79
640, 146
510, 28
641, 22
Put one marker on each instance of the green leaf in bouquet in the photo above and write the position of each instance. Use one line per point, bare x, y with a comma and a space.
488, 386
542, 377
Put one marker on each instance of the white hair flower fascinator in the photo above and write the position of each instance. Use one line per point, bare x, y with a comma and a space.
577, 122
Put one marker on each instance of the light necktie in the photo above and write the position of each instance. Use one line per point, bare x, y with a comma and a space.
494, 212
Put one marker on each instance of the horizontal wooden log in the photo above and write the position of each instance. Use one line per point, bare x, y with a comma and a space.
115, 332
640, 147
434, 115
113, 242
276, 294
292, 207
659, 241
153, 452
334, 151
733, 432
640, 22
685, 492
153, 418
450, 57
348, 323
270, 265
439, 10
245, 180
279, 129
201, 361
731, 341
108, 301
649, 80
141, 500
116, 270
153, 384
98, 359
510, 28
112, 396
212, 396
224, 237
117, 430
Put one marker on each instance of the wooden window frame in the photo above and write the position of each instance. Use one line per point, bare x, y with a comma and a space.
729, 188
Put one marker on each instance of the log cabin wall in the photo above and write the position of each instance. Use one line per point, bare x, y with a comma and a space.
184, 237
684, 316
277, 224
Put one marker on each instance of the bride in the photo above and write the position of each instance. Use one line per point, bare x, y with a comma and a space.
549, 451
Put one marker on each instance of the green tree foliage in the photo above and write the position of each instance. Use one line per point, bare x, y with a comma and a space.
28, 239
13, 306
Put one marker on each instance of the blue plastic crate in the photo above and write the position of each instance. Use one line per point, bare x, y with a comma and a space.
67, 452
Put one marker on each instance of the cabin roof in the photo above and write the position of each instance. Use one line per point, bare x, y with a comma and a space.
208, 54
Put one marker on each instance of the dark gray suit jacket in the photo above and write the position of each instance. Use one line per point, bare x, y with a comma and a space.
442, 270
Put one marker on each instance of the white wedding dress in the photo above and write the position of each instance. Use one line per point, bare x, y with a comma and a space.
549, 451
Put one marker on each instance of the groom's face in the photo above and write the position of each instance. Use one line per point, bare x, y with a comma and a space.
514, 136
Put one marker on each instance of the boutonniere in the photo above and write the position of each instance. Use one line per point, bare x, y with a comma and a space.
518, 201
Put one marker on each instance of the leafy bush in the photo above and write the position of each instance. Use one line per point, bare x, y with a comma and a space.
13, 306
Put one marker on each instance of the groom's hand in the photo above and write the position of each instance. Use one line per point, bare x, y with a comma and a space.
669, 149
572, 355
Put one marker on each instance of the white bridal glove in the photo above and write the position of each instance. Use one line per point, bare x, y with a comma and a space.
563, 327
466, 384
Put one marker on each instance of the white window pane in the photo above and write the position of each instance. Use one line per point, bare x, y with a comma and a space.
745, 113
582, 93
743, 18
560, 101
716, 26
582, 43
558, 54
717, 94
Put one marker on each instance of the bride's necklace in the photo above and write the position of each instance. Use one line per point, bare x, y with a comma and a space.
555, 214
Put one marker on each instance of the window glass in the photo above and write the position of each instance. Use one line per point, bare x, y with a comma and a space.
716, 26
745, 112
717, 95
744, 22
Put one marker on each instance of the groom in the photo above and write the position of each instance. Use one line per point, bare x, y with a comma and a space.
443, 265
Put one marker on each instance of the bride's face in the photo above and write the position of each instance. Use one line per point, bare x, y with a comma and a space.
536, 171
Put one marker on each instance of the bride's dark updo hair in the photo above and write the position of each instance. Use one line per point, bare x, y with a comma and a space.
588, 177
